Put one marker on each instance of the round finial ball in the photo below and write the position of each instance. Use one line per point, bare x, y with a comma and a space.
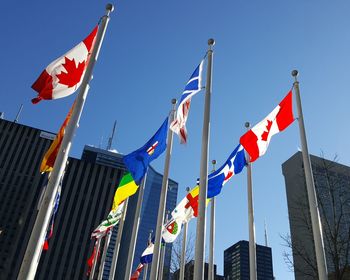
173, 101
213, 161
211, 42
187, 189
247, 124
295, 73
110, 7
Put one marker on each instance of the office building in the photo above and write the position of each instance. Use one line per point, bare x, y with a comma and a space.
87, 194
236, 262
189, 272
332, 185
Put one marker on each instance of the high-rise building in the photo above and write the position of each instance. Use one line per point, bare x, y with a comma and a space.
236, 262
189, 272
332, 185
87, 194
148, 221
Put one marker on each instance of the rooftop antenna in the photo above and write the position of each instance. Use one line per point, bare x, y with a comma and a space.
266, 237
110, 140
18, 114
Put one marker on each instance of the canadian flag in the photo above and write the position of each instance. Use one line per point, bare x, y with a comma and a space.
257, 139
63, 76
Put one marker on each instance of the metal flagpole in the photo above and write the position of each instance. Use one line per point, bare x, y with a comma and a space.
145, 269
135, 230
252, 244
310, 186
200, 235
162, 202
92, 272
212, 234
183, 253
103, 258
162, 253
34, 248
117, 243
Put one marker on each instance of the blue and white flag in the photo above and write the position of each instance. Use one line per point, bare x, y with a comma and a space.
147, 255
233, 165
193, 86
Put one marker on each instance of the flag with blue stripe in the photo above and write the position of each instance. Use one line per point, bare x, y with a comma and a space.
193, 86
147, 255
233, 165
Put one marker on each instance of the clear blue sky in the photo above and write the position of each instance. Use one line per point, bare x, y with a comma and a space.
150, 50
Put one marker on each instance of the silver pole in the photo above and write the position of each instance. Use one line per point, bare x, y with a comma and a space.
162, 202
183, 253
33, 252
117, 243
200, 235
103, 258
212, 234
92, 272
146, 265
252, 244
135, 230
311, 192
18, 114
162, 253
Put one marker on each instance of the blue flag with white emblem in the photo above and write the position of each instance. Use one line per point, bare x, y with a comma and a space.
137, 162
233, 165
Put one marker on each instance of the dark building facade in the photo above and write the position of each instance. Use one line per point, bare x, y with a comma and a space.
332, 184
87, 194
236, 262
148, 221
189, 272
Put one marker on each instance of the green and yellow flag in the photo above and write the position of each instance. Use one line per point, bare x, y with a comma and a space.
127, 187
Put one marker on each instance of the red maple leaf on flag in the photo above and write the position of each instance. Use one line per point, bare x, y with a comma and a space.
266, 133
74, 73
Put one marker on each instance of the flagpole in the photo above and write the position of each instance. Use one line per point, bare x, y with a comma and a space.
183, 253
162, 252
145, 269
34, 248
135, 230
117, 243
310, 186
103, 258
162, 202
212, 234
252, 243
201, 219
92, 272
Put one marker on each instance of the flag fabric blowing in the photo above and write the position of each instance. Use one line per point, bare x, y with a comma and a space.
233, 165
257, 139
137, 162
192, 87
147, 255
63, 76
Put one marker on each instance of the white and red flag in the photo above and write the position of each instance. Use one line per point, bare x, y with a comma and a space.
257, 139
63, 76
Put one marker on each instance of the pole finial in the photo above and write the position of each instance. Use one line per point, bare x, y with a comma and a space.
109, 8
213, 161
173, 101
247, 124
187, 189
211, 42
295, 74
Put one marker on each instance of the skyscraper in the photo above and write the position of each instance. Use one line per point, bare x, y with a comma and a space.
332, 184
236, 262
87, 194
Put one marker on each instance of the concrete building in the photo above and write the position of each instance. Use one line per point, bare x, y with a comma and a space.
332, 184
